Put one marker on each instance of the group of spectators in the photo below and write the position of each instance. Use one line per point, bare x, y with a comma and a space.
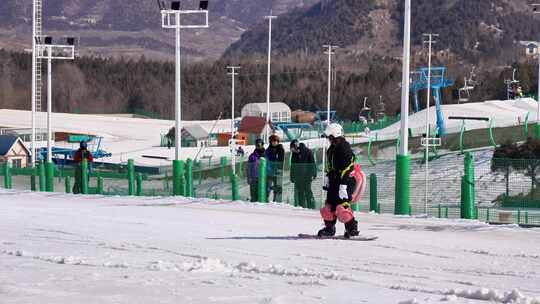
302, 172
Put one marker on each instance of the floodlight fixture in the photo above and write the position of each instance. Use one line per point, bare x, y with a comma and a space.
70, 40
50, 52
203, 5
175, 5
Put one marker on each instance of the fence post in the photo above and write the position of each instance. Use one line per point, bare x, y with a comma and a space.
41, 171
537, 131
139, 185
100, 185
33, 180
67, 184
178, 178
526, 126
240, 171
7, 176
223, 163
49, 177
189, 178
373, 192
234, 184
131, 177
263, 198
403, 172
84, 176
467, 189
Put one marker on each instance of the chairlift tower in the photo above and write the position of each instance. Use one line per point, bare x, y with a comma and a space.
437, 82
45, 49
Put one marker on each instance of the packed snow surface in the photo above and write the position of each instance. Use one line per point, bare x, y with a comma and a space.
58, 248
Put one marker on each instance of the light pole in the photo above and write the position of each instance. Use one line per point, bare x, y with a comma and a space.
330, 50
536, 10
47, 50
171, 19
402, 204
232, 143
427, 140
268, 115
36, 73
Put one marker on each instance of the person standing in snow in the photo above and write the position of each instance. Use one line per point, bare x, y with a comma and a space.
339, 184
253, 169
303, 172
275, 156
80, 154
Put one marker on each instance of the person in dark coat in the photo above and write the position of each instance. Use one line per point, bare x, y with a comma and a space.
339, 184
275, 156
253, 169
80, 154
303, 172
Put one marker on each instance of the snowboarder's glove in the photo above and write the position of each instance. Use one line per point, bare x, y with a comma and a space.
343, 192
326, 183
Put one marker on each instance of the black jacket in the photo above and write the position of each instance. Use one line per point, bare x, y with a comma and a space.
303, 167
274, 157
339, 166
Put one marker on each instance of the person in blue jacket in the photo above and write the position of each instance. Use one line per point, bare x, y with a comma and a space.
253, 169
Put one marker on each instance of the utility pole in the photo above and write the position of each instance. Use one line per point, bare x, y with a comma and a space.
268, 114
330, 50
232, 143
536, 10
430, 42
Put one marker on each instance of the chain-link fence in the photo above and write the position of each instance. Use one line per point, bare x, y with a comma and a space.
505, 191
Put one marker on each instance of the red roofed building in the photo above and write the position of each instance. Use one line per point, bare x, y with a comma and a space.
254, 127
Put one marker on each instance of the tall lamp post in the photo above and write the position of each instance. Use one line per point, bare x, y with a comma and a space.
268, 114
536, 10
330, 50
232, 142
171, 19
49, 51
402, 187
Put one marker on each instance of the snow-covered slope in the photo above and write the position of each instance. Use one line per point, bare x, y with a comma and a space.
133, 137
58, 248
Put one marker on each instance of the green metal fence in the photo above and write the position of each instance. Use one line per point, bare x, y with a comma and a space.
472, 185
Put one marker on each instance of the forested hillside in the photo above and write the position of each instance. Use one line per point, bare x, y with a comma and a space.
470, 31
92, 85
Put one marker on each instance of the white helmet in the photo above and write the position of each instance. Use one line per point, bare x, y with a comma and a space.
334, 129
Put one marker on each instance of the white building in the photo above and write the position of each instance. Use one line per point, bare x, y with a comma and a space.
280, 112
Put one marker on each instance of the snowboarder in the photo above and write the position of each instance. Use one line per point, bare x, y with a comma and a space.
275, 155
303, 172
339, 184
79, 155
253, 169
